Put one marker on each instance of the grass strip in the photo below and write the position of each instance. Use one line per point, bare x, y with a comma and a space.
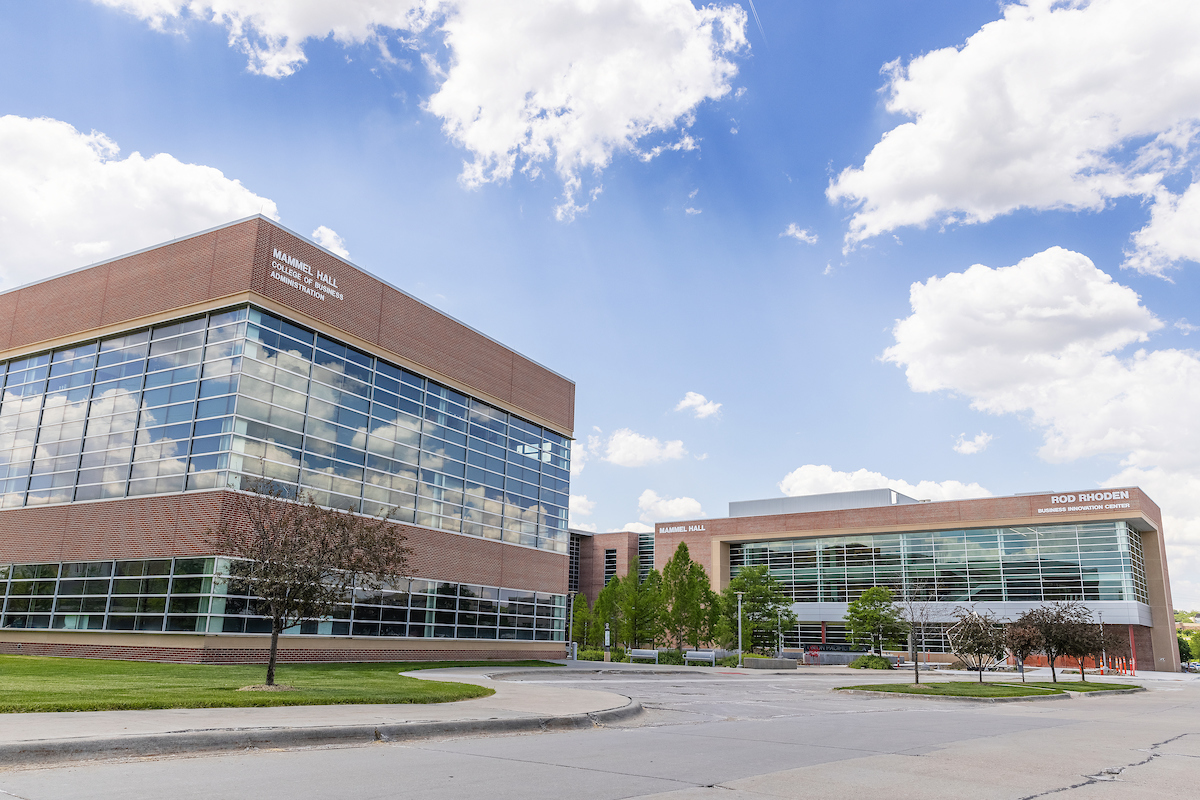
959, 689
31, 683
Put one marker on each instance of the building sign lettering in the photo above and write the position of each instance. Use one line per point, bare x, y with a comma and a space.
293, 272
682, 529
1094, 498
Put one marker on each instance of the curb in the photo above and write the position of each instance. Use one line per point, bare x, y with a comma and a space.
1105, 692
894, 695
224, 739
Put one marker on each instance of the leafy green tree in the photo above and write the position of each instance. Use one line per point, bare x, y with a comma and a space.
688, 602
874, 618
584, 627
640, 604
766, 608
631, 608
1185, 648
1022, 640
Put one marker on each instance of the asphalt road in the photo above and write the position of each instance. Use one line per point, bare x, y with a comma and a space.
725, 736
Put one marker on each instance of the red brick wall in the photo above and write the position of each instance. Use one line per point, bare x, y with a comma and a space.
160, 526
237, 259
591, 559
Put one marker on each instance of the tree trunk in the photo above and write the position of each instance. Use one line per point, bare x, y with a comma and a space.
1082, 676
276, 627
980, 663
1052, 675
912, 652
1021, 665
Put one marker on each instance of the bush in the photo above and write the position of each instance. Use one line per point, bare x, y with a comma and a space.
727, 661
870, 662
673, 658
591, 655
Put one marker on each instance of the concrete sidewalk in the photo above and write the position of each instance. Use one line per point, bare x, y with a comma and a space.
64, 736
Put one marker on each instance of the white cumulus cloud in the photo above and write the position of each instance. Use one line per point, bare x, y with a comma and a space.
68, 199
699, 405
656, 509
328, 238
971, 446
625, 448
634, 527
822, 479
801, 235
1057, 105
1056, 349
564, 82
580, 506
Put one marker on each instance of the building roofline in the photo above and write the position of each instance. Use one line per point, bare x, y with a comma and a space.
309, 241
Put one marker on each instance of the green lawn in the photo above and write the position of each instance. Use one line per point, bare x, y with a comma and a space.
1082, 686
958, 689
29, 683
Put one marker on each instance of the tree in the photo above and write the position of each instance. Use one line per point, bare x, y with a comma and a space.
1023, 640
688, 600
873, 617
584, 626
302, 560
1055, 626
631, 607
1185, 648
977, 638
915, 603
1084, 639
765, 609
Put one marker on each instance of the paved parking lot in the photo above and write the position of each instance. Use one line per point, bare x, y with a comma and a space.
708, 734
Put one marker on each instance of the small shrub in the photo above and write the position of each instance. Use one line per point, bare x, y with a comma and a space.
673, 658
870, 662
591, 655
727, 661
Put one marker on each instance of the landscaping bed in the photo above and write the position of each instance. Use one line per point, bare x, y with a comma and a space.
31, 683
958, 689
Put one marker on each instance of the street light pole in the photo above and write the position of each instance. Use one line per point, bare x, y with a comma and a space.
739, 596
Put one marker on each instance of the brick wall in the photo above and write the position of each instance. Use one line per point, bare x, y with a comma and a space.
236, 260
161, 526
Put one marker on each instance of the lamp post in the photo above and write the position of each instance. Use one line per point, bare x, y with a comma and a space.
739, 596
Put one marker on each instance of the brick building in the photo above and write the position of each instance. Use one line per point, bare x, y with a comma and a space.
1001, 554
139, 393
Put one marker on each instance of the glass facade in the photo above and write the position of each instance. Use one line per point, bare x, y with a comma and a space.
645, 554
197, 595
1085, 561
217, 400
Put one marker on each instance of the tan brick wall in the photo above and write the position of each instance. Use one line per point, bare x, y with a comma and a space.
236, 261
161, 526
224, 649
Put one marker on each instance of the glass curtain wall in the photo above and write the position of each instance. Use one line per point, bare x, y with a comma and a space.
1087, 561
197, 595
223, 399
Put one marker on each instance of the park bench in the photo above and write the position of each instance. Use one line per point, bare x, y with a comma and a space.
643, 654
700, 655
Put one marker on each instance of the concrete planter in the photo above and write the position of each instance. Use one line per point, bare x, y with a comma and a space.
769, 663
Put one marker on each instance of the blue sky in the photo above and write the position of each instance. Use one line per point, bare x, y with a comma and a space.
1037, 132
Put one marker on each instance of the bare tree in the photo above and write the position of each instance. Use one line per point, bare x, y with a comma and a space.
977, 639
914, 598
1023, 640
302, 560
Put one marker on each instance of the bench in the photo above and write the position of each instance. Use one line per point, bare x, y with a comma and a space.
643, 654
700, 655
